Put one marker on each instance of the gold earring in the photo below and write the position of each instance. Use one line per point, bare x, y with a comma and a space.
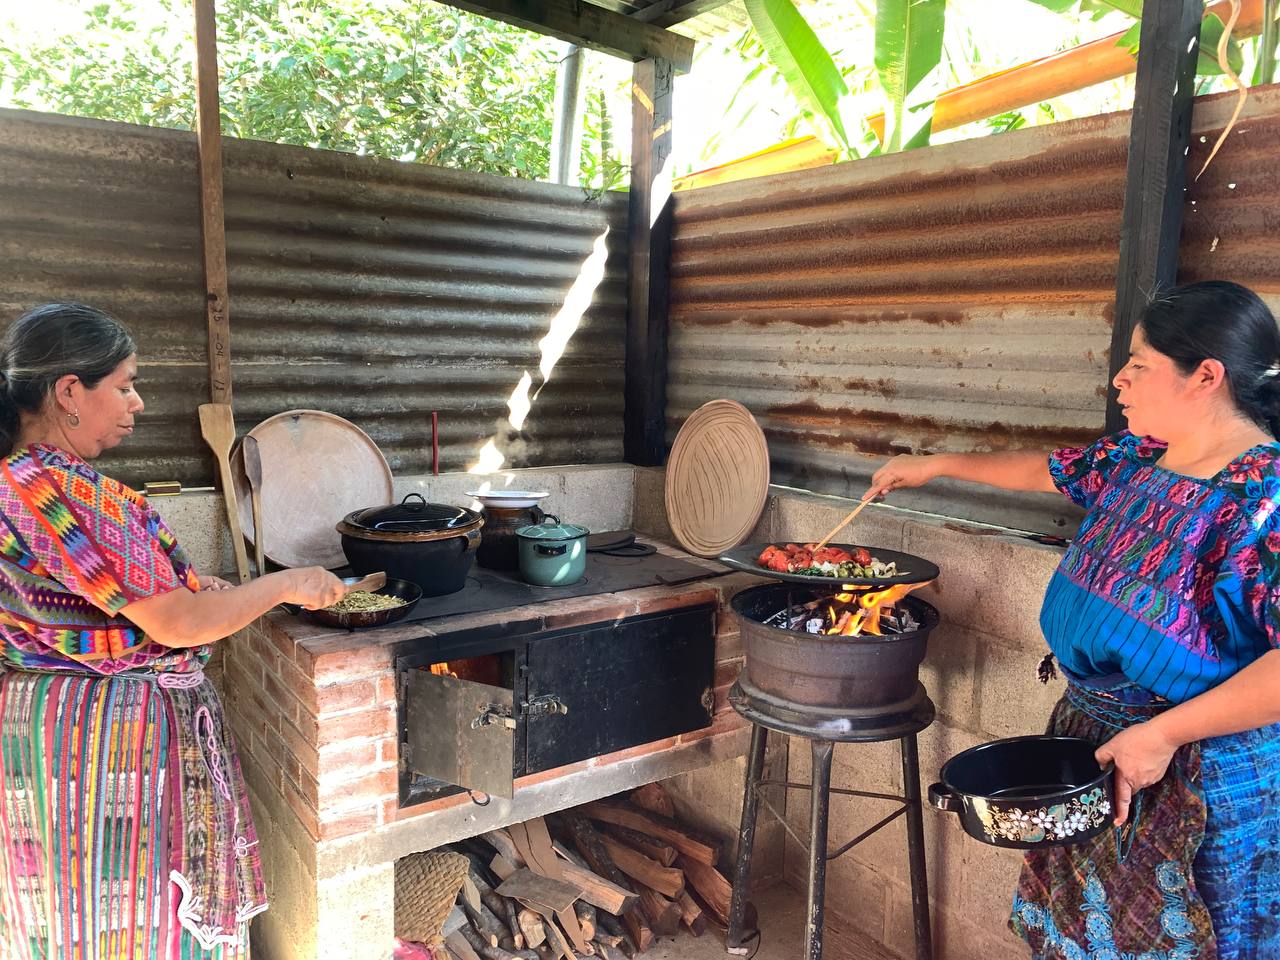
73, 420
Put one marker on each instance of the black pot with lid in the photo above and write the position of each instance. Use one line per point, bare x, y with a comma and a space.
429, 544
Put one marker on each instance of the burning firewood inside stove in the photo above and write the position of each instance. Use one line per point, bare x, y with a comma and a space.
868, 613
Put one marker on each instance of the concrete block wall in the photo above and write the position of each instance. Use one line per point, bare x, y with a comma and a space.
981, 674
599, 497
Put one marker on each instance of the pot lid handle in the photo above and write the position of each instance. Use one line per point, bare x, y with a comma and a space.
422, 501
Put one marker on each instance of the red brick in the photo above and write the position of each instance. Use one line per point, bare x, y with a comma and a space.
300, 683
286, 704
264, 651
350, 824
386, 690
348, 664
241, 673
388, 750
310, 789
271, 744
349, 758
306, 814
280, 639
300, 747
722, 699
248, 713
390, 811
261, 782
367, 790
348, 696
364, 725
729, 645
727, 672
268, 763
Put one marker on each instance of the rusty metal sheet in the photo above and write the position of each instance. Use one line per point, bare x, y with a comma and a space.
1231, 223
952, 299
376, 290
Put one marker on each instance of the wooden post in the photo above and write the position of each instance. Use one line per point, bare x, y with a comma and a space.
649, 240
212, 228
1157, 171
217, 421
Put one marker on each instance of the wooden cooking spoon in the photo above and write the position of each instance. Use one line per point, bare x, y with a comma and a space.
370, 584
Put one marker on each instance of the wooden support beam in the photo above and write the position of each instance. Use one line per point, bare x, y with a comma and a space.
212, 228
649, 248
1155, 184
667, 13
589, 25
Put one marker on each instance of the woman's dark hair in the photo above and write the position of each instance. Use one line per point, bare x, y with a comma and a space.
49, 342
1223, 321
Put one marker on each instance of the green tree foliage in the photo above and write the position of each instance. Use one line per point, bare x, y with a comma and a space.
406, 79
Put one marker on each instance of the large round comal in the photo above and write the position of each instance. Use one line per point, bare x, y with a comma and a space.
834, 672
430, 544
1027, 792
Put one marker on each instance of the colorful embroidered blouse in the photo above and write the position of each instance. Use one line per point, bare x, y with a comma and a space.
75, 548
1173, 581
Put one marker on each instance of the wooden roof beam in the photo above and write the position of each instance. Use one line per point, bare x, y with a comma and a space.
667, 13
588, 25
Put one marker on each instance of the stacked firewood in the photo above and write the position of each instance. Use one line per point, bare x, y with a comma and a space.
604, 880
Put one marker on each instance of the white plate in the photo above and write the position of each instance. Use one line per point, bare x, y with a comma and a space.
508, 498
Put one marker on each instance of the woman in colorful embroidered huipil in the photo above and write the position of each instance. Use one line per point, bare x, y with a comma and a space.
1165, 616
125, 829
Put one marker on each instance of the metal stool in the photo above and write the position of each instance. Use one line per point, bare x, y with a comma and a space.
824, 728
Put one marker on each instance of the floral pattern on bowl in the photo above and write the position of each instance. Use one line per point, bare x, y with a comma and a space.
1059, 821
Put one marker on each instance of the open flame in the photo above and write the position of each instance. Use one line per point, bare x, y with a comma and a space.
853, 614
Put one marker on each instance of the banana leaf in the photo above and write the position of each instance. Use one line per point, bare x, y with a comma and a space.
908, 47
811, 74
1210, 32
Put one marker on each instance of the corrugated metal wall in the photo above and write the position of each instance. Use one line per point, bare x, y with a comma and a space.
952, 299
375, 290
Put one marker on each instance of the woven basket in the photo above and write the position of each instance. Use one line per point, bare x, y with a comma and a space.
426, 886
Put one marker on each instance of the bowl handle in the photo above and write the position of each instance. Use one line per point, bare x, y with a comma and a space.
940, 798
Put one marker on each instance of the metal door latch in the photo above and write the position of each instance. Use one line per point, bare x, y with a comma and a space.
494, 713
548, 706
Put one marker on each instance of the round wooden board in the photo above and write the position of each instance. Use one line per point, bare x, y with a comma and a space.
316, 468
717, 478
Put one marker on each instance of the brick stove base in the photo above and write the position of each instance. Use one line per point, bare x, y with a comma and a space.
314, 714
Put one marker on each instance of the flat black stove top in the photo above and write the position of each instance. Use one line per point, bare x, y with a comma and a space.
497, 590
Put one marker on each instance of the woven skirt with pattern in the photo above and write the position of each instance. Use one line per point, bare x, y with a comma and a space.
1194, 875
87, 813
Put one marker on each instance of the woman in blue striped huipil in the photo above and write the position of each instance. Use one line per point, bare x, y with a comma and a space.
1165, 617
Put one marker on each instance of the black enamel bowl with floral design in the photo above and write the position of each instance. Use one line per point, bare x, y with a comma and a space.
1028, 792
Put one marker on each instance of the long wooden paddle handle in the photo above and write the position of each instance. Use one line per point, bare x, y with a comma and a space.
259, 552
842, 524
233, 517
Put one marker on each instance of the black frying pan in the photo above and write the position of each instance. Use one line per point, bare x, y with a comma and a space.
911, 570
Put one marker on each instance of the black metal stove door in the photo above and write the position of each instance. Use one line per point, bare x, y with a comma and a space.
460, 732
620, 685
